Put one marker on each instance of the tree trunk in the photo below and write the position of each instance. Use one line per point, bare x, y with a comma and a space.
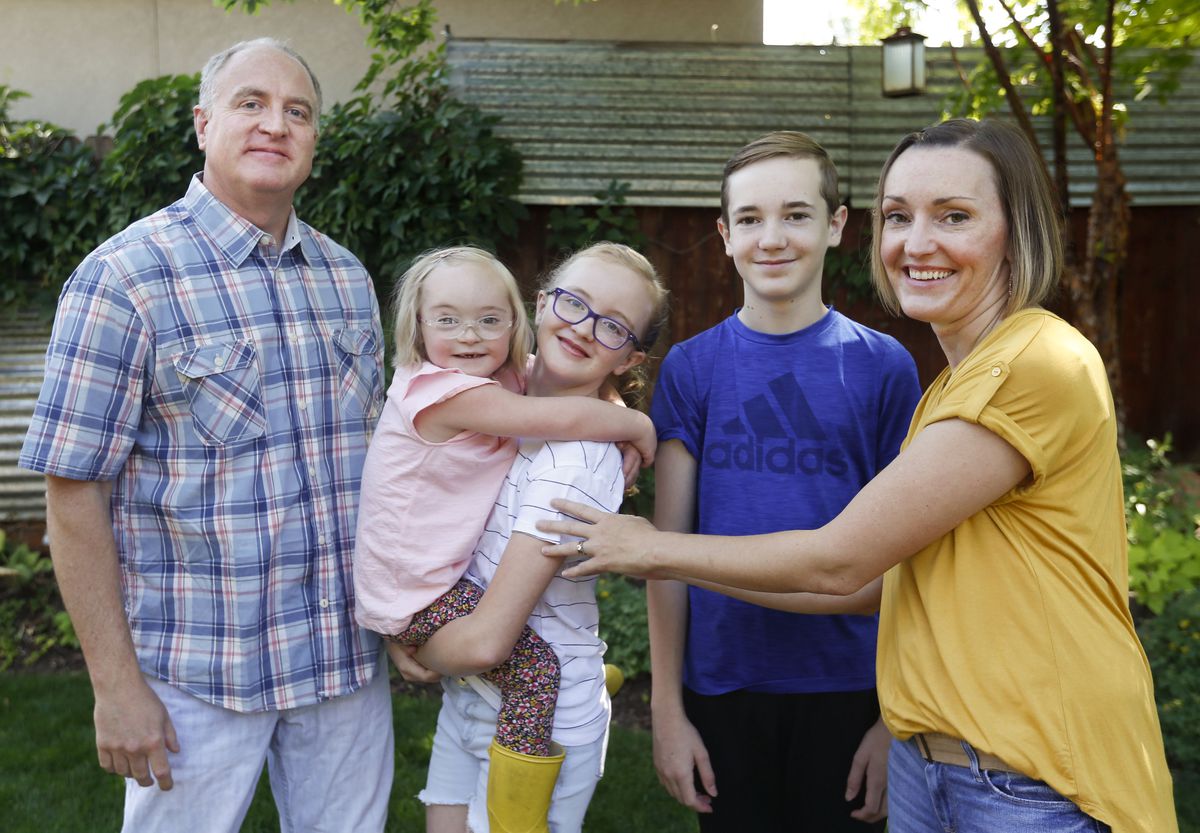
1108, 228
1092, 278
1094, 289
1059, 90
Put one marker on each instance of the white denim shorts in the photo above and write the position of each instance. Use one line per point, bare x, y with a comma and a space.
458, 767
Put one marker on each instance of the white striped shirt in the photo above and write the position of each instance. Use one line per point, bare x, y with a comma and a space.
566, 616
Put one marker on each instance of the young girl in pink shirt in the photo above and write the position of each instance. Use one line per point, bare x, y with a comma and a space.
439, 455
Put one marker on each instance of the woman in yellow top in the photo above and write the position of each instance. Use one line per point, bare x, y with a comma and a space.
1009, 671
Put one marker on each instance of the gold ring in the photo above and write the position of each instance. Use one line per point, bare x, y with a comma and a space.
579, 548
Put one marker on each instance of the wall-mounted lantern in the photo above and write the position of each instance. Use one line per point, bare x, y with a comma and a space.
903, 63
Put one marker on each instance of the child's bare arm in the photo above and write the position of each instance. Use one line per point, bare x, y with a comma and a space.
490, 409
484, 638
680, 756
632, 462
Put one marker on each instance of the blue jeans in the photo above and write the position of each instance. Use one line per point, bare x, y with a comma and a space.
926, 797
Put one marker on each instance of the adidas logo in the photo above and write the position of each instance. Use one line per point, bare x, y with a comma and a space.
779, 434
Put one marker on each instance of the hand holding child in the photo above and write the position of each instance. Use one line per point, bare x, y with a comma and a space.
403, 657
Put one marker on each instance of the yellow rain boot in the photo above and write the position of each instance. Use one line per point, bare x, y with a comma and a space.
614, 678
519, 789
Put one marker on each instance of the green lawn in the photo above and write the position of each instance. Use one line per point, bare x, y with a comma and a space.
49, 779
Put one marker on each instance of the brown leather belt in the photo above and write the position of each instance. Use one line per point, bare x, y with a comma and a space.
944, 749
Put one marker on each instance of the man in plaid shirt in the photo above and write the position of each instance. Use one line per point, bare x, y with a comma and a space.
211, 384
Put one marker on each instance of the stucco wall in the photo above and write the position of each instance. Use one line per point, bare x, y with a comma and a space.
77, 57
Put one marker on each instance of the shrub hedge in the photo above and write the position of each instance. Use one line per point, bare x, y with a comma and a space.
386, 183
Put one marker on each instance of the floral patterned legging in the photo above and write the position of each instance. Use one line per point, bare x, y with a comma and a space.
528, 679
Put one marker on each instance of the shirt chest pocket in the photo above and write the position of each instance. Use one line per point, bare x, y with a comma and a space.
224, 391
360, 389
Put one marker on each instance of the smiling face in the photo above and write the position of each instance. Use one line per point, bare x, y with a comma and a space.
944, 242
569, 360
259, 135
469, 292
777, 234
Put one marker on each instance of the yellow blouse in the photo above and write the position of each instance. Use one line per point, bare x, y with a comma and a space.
1013, 631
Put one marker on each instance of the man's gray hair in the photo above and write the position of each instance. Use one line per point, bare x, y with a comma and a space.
208, 75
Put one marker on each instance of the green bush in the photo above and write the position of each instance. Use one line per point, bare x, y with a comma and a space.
52, 218
430, 171
849, 269
32, 620
640, 499
154, 152
60, 203
410, 167
1172, 642
625, 594
1162, 518
386, 183
573, 227
622, 604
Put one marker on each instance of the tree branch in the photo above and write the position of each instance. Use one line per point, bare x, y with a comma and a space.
962, 72
1005, 78
1104, 146
1053, 59
1060, 39
1058, 81
1063, 106
1084, 47
1021, 30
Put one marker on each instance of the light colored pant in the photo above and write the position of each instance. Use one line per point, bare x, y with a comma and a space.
458, 767
330, 765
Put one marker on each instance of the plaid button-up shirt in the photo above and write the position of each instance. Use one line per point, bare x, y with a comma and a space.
228, 386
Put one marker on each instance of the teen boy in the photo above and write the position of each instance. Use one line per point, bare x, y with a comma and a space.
766, 719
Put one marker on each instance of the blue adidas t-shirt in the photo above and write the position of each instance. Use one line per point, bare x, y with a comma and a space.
785, 430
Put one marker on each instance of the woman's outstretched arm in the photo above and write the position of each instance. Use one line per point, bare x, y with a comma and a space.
950, 471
